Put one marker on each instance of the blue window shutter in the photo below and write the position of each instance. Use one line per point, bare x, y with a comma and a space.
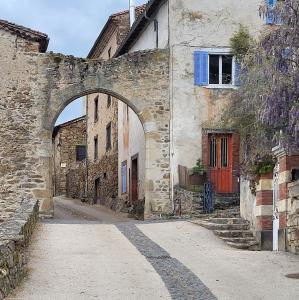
124, 177
201, 77
270, 5
237, 74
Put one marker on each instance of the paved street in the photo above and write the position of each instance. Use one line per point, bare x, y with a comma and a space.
92, 253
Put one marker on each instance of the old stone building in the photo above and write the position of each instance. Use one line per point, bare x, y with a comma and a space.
102, 120
69, 157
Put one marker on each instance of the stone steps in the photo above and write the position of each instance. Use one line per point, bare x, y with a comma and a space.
221, 226
234, 231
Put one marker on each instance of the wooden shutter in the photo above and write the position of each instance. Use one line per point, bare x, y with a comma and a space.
201, 59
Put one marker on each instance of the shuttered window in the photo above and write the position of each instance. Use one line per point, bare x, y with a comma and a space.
124, 177
270, 15
215, 69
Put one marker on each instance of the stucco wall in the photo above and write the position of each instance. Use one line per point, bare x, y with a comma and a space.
147, 39
195, 25
247, 203
131, 141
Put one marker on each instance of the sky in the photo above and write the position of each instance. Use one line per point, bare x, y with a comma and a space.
72, 26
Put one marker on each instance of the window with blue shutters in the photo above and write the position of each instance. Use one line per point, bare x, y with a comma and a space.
124, 177
270, 15
216, 68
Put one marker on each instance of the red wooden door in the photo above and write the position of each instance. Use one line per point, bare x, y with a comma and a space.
134, 178
220, 162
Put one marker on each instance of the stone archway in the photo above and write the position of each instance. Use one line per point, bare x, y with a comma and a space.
49, 82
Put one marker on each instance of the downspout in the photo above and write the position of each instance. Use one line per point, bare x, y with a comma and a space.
132, 12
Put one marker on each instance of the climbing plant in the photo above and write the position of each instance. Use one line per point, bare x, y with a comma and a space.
265, 109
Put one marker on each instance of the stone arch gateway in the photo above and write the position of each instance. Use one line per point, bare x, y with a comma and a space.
36, 87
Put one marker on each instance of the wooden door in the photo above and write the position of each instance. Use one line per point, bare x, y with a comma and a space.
220, 162
134, 179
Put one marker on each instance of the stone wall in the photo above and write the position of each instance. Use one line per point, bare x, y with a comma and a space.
36, 87
105, 170
15, 234
66, 137
293, 217
191, 202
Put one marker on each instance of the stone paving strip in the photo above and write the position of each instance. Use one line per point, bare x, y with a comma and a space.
179, 280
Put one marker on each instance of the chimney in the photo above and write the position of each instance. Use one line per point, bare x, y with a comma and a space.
132, 12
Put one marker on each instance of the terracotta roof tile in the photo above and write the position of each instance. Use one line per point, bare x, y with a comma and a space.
26, 33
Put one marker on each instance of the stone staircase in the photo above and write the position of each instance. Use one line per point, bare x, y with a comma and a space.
231, 228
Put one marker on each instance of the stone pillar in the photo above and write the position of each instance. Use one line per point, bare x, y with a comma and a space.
264, 211
287, 162
293, 218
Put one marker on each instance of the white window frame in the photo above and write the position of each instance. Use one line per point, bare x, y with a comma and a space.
221, 51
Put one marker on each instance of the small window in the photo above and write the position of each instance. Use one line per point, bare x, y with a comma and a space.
96, 109
108, 137
109, 100
109, 52
213, 152
124, 177
96, 146
80, 152
220, 69
224, 152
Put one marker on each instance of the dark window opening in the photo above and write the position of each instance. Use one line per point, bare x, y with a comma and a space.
109, 100
108, 137
96, 145
80, 152
96, 109
214, 69
227, 66
109, 53
105, 175
224, 152
220, 69
213, 152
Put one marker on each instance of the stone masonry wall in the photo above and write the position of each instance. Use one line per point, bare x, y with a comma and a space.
66, 137
15, 234
293, 217
36, 87
191, 202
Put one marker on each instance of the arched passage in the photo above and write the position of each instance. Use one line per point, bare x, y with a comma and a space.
139, 80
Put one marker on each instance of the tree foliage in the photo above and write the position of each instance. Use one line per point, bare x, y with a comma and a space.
266, 107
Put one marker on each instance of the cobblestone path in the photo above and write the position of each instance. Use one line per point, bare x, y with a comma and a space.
179, 280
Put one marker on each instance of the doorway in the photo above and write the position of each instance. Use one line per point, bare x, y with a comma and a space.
221, 162
134, 179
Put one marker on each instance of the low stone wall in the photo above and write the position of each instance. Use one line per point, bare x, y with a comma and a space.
14, 237
191, 202
293, 217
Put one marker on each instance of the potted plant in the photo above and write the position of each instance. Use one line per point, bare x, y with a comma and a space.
198, 174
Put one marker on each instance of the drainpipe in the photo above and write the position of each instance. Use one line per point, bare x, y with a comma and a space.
132, 12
